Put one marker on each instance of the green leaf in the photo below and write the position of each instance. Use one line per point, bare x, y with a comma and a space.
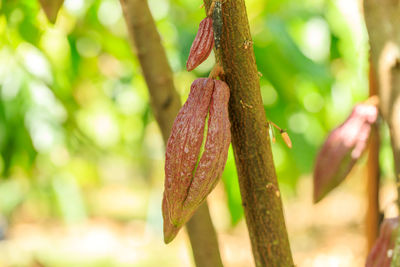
231, 184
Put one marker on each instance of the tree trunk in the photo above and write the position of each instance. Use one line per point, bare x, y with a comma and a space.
251, 143
165, 103
383, 19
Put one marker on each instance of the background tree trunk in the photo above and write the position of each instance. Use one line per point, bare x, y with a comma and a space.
261, 198
383, 19
165, 104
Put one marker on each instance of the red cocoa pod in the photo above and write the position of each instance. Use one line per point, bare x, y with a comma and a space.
341, 150
190, 171
202, 44
382, 251
183, 147
212, 162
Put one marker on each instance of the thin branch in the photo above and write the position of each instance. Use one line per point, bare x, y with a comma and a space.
199, 234
373, 175
165, 103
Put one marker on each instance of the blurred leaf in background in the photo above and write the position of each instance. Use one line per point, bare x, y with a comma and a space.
73, 91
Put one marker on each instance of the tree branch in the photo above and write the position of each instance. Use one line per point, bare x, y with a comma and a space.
199, 234
251, 143
372, 217
165, 103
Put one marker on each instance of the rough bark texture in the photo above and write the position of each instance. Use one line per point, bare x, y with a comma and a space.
383, 19
166, 104
373, 176
257, 177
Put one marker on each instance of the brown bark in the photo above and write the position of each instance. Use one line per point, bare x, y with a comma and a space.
199, 234
383, 19
165, 104
164, 99
373, 176
372, 216
251, 143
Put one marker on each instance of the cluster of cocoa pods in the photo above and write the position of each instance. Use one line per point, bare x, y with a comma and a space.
343, 147
197, 148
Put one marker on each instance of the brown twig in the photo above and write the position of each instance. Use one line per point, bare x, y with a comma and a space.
372, 217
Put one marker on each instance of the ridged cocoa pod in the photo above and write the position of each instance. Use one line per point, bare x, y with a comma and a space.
190, 172
382, 252
202, 44
213, 159
343, 147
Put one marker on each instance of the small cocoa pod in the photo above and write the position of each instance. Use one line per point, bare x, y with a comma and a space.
382, 251
341, 150
196, 153
202, 44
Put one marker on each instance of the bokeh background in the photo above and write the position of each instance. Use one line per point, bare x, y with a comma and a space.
81, 156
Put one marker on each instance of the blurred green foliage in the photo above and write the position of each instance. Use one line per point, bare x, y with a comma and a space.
74, 110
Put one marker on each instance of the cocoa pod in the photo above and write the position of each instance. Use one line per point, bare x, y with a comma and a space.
202, 44
342, 149
212, 161
382, 251
195, 154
